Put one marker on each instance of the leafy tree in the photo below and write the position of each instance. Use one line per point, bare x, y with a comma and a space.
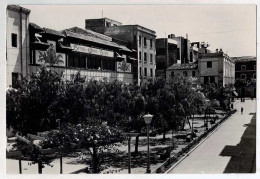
90, 138
29, 107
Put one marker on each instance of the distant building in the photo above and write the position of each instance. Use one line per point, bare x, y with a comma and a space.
167, 54
216, 68
184, 69
174, 50
17, 43
245, 75
136, 37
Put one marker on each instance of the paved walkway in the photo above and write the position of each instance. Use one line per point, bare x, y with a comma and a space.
231, 149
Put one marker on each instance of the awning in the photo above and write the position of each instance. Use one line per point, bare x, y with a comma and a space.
64, 47
119, 56
235, 93
131, 58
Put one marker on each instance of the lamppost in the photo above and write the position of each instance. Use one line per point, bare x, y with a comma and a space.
60, 147
129, 135
148, 119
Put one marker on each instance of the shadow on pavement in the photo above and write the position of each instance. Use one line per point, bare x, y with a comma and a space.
243, 155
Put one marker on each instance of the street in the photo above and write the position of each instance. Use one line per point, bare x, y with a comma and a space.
231, 149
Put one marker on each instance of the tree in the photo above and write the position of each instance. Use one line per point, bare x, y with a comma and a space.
30, 107
90, 138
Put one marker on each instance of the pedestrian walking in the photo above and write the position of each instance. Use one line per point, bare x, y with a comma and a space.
242, 109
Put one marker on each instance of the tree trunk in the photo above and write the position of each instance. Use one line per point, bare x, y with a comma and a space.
164, 133
172, 141
136, 144
40, 167
188, 119
94, 160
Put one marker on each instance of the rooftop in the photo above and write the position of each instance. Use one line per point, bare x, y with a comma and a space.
244, 58
18, 8
183, 66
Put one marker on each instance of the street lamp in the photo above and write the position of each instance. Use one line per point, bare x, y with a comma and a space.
60, 147
148, 119
129, 135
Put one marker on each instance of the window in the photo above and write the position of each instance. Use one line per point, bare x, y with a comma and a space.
151, 43
243, 67
185, 73
243, 76
212, 79
172, 74
206, 79
140, 71
76, 60
145, 42
145, 71
140, 55
193, 73
151, 58
140, 40
14, 40
135, 40
14, 79
209, 64
145, 57
151, 72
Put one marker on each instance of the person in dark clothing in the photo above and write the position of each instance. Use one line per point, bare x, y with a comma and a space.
242, 109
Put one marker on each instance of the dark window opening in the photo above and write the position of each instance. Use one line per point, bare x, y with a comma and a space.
14, 79
185, 73
14, 40
212, 79
76, 60
145, 71
145, 42
151, 72
209, 64
145, 57
151, 43
193, 73
140, 40
151, 58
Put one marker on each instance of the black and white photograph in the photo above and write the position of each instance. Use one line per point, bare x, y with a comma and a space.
130, 88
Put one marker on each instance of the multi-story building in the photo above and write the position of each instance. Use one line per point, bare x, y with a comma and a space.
216, 68
174, 50
95, 55
245, 75
136, 37
17, 43
167, 54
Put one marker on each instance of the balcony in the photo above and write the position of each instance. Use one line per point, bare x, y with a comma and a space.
90, 73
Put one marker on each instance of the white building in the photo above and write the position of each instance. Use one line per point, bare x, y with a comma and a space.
17, 43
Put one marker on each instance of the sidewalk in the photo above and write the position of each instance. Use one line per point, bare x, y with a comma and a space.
231, 149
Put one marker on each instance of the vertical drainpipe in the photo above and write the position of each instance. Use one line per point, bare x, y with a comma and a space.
27, 41
20, 39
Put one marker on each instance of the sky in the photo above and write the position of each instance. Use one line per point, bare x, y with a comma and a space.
230, 27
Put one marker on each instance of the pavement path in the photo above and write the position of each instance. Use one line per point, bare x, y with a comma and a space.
231, 149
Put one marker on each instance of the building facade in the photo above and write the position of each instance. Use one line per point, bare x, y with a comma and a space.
245, 76
17, 43
167, 54
136, 37
174, 50
216, 68
184, 69
92, 54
